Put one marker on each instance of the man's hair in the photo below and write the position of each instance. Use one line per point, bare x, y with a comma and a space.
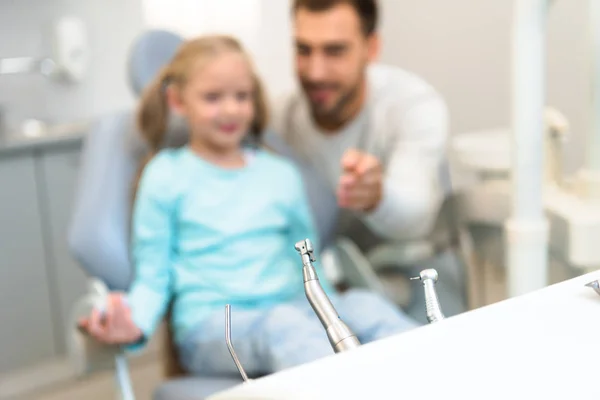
367, 10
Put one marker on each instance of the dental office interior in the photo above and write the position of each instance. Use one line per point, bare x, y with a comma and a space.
505, 283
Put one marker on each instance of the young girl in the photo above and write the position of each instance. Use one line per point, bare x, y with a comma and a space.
215, 223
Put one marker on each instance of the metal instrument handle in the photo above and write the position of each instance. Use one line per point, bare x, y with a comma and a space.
230, 344
432, 303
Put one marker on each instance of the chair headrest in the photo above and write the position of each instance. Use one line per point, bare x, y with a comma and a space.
150, 52
176, 135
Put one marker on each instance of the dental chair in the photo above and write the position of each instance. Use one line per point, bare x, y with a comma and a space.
448, 248
99, 232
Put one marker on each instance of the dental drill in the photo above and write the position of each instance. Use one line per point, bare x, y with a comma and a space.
429, 278
340, 336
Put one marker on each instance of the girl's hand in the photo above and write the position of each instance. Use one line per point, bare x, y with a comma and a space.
115, 326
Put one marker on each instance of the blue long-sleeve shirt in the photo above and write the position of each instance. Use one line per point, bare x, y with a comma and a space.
205, 236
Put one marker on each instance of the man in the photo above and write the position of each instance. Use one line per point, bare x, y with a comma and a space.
376, 133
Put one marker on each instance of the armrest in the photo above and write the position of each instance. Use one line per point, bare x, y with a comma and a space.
410, 253
400, 255
358, 272
354, 267
86, 354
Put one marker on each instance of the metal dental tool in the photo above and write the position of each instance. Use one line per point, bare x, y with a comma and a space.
594, 285
432, 303
230, 344
340, 336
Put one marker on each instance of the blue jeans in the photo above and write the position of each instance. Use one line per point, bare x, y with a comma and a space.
287, 335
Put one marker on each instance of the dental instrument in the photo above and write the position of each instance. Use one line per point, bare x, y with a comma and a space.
594, 285
236, 360
340, 336
429, 278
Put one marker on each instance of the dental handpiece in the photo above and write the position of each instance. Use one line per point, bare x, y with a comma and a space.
432, 303
340, 336
594, 285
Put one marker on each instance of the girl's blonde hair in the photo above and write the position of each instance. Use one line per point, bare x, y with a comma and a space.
153, 113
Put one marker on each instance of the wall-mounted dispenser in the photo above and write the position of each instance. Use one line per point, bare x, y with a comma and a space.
67, 60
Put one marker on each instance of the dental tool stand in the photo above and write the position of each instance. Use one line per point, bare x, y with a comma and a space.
429, 278
340, 336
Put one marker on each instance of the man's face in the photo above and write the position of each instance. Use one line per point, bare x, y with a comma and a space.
332, 53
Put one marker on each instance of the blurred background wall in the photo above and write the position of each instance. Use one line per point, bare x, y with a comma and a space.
462, 47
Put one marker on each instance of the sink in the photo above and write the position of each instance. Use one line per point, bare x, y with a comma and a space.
574, 216
486, 152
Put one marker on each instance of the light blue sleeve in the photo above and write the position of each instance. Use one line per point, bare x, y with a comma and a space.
303, 223
152, 243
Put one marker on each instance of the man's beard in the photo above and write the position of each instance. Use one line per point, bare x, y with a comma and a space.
333, 112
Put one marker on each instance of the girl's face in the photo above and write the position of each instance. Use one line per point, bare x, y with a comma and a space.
218, 102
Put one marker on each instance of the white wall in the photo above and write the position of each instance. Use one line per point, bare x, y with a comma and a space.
196, 17
275, 51
461, 46
263, 26
24, 27
464, 47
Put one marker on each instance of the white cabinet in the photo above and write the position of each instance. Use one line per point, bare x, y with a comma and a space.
39, 281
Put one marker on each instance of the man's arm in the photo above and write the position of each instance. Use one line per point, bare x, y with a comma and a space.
411, 191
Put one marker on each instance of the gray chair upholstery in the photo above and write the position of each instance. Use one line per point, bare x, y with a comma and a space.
321, 198
148, 55
99, 230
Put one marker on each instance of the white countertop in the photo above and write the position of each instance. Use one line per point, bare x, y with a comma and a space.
544, 345
55, 135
